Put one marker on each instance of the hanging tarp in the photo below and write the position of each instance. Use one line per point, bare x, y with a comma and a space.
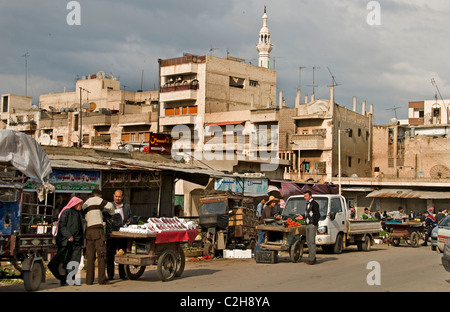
26, 155
289, 188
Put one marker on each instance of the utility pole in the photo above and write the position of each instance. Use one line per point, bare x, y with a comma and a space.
26, 55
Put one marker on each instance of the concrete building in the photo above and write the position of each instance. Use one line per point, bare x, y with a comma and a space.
17, 113
429, 112
98, 114
314, 141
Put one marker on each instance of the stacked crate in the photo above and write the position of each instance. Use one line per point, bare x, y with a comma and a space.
242, 222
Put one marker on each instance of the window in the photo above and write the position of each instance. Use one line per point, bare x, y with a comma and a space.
349, 161
335, 205
236, 82
359, 132
5, 104
253, 83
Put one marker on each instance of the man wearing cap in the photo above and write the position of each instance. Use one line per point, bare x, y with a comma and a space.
312, 216
267, 213
95, 236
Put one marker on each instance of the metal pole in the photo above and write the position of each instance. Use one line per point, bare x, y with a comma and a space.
339, 160
80, 140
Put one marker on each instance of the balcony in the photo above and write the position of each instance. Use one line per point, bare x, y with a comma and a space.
187, 92
308, 142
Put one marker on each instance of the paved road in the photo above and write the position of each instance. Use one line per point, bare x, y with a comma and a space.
401, 269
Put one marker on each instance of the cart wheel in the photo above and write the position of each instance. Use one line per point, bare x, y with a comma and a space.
181, 260
209, 250
396, 241
134, 271
414, 239
32, 278
296, 251
167, 265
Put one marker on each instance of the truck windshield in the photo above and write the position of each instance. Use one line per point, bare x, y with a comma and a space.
214, 208
297, 205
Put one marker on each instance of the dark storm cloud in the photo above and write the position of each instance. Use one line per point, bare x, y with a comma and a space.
387, 65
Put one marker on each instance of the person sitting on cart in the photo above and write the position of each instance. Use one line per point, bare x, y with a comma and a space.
267, 213
430, 222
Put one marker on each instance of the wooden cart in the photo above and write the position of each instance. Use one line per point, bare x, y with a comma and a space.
161, 249
281, 238
410, 231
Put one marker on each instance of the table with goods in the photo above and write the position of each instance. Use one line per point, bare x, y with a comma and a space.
157, 242
282, 235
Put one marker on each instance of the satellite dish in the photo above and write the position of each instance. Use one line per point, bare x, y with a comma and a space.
45, 139
86, 105
129, 147
420, 174
92, 106
393, 121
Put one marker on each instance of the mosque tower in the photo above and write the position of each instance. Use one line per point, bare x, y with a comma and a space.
264, 46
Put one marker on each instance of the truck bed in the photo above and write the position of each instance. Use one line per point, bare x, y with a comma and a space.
363, 226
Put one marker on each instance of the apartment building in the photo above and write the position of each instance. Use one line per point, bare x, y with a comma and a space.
314, 143
18, 113
98, 114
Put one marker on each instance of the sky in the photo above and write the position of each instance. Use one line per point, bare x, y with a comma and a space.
384, 52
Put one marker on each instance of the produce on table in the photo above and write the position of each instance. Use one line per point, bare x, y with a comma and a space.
296, 220
158, 225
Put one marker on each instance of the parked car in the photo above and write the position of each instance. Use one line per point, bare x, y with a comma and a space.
443, 233
446, 256
434, 238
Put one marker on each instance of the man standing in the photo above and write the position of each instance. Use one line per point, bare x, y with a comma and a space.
95, 236
260, 207
312, 216
122, 215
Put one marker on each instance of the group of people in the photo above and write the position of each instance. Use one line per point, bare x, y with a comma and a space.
270, 210
89, 224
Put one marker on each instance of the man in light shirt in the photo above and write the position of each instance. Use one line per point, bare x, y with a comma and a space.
93, 209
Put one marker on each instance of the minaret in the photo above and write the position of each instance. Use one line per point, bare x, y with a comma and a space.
264, 47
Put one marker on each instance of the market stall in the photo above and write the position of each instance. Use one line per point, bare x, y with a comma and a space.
157, 242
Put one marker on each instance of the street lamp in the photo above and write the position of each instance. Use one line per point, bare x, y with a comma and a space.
339, 156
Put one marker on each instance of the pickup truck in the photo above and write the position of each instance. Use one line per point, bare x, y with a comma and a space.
336, 230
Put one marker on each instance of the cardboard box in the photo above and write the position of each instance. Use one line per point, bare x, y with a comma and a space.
228, 254
242, 254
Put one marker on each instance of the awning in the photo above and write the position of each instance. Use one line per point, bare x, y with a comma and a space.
409, 193
225, 123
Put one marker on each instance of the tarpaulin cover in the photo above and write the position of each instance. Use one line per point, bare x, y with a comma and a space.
176, 236
290, 188
25, 154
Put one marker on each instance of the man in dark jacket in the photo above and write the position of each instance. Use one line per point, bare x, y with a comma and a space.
312, 216
69, 239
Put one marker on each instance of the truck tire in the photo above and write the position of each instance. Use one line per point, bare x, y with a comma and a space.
365, 244
339, 244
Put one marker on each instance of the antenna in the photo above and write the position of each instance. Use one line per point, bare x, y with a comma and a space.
300, 77
314, 79
26, 55
394, 109
211, 50
333, 78
433, 82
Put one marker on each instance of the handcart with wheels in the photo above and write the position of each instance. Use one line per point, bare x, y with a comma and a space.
278, 237
410, 231
25, 219
161, 249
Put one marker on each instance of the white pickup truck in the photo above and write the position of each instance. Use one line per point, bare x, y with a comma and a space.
336, 230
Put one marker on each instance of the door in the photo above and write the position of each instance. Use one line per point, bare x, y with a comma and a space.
338, 224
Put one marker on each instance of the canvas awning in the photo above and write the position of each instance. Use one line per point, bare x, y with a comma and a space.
408, 193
